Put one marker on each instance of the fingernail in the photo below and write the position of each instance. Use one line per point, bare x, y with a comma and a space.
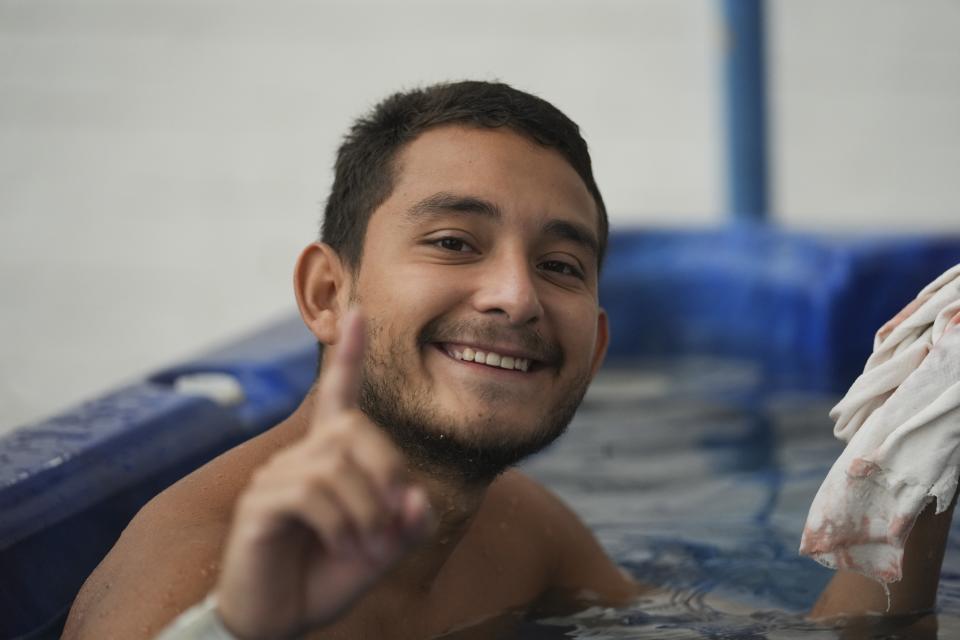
416, 500
417, 513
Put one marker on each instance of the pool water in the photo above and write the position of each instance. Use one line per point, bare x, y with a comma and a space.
697, 478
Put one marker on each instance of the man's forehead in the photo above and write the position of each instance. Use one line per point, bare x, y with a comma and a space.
500, 167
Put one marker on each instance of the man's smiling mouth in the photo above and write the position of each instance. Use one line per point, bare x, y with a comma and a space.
488, 358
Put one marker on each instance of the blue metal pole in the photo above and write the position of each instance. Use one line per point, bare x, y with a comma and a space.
746, 122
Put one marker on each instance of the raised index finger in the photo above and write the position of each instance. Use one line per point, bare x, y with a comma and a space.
340, 385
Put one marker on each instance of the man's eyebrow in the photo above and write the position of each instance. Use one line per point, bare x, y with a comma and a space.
443, 202
574, 232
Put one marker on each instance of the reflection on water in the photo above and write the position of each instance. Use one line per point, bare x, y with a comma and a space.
697, 479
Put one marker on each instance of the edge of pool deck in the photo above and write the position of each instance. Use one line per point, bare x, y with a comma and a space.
803, 307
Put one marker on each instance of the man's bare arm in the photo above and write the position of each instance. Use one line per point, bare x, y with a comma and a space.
851, 594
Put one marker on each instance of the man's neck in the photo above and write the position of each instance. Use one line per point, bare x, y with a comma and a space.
453, 507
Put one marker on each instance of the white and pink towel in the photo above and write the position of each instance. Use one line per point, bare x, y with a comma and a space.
901, 420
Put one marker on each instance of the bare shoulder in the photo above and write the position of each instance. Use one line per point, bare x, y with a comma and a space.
525, 503
578, 567
168, 556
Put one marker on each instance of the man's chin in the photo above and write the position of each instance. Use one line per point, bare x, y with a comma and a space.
484, 422
465, 456
470, 452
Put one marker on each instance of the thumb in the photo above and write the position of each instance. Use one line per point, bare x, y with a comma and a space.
340, 384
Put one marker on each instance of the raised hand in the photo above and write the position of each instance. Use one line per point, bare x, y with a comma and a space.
322, 519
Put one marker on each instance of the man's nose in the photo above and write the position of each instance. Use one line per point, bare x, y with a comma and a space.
508, 287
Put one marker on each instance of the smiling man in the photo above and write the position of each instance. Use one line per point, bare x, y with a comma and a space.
466, 227
455, 298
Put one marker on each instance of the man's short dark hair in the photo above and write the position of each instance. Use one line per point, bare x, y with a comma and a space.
365, 168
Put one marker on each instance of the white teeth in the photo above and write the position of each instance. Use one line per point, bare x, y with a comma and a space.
490, 358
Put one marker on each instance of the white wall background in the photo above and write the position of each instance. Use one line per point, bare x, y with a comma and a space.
161, 163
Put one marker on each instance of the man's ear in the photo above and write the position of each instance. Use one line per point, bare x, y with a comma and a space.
320, 281
603, 341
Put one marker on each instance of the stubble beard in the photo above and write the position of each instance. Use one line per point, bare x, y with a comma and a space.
471, 453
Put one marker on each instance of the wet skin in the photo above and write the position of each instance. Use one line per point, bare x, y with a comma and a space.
487, 242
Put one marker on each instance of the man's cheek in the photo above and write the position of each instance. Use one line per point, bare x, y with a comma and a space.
580, 343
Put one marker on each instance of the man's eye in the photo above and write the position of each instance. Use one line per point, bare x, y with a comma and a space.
562, 268
453, 244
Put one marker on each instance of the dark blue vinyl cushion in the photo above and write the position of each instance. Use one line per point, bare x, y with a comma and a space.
803, 307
